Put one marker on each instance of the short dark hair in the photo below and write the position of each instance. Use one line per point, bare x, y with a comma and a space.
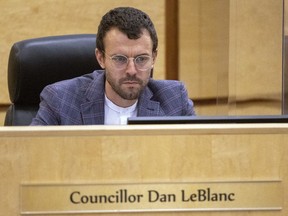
130, 21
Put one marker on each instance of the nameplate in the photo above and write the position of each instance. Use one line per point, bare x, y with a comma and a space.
108, 198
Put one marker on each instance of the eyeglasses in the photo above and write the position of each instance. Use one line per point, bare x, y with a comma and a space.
142, 62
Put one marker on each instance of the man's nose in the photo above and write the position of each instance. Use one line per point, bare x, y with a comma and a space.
131, 67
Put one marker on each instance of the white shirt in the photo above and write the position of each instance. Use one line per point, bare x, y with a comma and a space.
115, 115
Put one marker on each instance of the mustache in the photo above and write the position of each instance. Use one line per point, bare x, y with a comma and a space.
131, 78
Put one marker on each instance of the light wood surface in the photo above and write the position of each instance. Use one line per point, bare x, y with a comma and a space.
231, 51
22, 20
142, 154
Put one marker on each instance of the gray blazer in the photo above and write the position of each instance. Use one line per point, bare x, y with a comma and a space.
80, 101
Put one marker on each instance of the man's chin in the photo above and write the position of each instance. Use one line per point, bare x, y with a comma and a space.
130, 95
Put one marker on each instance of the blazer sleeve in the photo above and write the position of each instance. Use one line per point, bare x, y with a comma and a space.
187, 103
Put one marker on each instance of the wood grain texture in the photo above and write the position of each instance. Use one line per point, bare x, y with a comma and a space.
232, 50
137, 154
36, 18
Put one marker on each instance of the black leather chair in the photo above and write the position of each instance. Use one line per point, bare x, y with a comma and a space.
35, 63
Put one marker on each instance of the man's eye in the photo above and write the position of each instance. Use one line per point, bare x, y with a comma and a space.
119, 59
142, 59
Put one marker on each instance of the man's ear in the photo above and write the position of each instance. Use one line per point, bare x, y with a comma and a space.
154, 55
100, 58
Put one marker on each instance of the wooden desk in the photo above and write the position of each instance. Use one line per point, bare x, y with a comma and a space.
142, 154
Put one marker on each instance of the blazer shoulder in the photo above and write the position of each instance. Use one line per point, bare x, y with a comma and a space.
74, 85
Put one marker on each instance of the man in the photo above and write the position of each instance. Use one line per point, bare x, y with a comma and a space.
126, 49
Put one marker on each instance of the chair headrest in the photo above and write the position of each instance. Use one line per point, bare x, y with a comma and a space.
35, 63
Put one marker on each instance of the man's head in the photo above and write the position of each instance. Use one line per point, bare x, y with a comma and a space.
129, 21
126, 48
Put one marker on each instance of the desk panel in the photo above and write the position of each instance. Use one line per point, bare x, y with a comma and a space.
142, 154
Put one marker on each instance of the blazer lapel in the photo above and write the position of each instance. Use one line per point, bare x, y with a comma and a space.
93, 109
93, 113
148, 107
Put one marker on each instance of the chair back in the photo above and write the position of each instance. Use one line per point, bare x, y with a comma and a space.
35, 63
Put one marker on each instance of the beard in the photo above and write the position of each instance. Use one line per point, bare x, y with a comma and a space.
127, 93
